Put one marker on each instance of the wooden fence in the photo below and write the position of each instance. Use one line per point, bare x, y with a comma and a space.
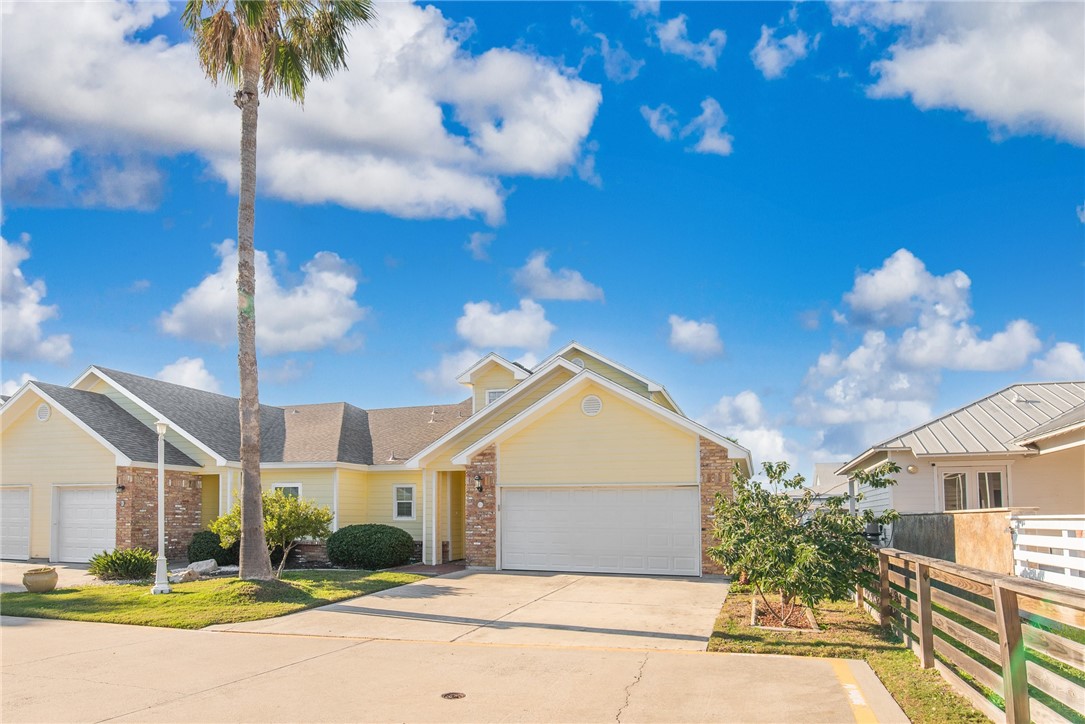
1015, 648
1050, 548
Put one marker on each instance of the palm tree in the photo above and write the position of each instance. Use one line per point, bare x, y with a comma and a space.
278, 44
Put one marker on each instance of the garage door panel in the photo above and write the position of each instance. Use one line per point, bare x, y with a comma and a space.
630, 529
86, 522
15, 523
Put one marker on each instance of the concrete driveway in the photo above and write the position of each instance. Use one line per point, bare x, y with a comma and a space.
69, 671
557, 609
68, 574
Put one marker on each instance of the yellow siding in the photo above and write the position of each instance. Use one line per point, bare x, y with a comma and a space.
352, 497
539, 389
379, 499
209, 502
604, 370
622, 444
126, 404
316, 485
493, 377
40, 454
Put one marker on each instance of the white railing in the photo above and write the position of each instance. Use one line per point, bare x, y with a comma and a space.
1050, 548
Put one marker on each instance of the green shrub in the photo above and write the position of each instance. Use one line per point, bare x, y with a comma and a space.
128, 564
206, 544
287, 521
370, 546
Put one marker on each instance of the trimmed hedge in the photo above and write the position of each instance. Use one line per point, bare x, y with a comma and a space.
370, 546
207, 544
129, 564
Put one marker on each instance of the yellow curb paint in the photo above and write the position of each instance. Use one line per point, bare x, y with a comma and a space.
859, 708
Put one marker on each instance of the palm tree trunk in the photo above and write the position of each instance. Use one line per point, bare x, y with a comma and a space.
255, 562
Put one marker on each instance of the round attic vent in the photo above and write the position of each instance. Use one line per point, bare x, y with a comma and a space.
43, 412
591, 405
578, 362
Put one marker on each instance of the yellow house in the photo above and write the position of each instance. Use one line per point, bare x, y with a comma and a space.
580, 464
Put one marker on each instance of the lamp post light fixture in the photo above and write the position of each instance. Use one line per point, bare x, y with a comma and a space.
478, 483
161, 576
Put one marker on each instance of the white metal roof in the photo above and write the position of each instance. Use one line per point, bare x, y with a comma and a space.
990, 425
1066, 422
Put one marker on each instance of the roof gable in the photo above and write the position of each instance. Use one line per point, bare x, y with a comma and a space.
993, 425
586, 377
519, 372
586, 358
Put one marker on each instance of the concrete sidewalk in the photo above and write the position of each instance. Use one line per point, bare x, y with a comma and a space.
71, 671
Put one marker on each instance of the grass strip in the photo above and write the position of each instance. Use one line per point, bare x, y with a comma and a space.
201, 603
849, 633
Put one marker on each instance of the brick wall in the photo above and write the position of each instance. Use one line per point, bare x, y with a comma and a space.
137, 510
715, 478
481, 511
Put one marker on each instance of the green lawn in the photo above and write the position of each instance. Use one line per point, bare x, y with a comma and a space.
201, 603
847, 633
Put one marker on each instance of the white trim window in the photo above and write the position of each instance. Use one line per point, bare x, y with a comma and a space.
403, 502
290, 490
493, 396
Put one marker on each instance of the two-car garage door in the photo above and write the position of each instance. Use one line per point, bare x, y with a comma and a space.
653, 530
85, 522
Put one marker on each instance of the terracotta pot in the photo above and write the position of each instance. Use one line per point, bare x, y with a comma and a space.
40, 580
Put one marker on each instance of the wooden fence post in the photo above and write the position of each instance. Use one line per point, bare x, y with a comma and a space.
885, 608
1014, 674
859, 595
926, 627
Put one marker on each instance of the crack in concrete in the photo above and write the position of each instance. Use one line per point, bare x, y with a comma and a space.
629, 689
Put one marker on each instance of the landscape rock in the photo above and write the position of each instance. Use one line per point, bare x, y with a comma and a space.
184, 576
204, 568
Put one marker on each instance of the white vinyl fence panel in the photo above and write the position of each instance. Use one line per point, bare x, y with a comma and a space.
1050, 548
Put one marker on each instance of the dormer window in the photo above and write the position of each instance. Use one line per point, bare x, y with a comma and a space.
493, 395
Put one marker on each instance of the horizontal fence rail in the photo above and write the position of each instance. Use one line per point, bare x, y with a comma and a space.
1050, 548
1015, 648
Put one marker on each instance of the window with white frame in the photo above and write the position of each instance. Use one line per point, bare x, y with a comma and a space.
290, 490
494, 395
403, 502
974, 488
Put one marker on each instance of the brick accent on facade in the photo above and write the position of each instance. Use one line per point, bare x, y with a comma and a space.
137, 509
481, 511
715, 478
308, 555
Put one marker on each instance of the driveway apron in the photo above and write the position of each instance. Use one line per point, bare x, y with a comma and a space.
522, 608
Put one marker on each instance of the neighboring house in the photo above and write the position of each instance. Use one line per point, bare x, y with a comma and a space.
826, 483
578, 465
1023, 446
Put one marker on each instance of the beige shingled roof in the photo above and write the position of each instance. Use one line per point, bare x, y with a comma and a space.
400, 432
313, 432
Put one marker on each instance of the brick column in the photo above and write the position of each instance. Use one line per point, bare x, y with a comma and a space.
715, 478
137, 510
480, 513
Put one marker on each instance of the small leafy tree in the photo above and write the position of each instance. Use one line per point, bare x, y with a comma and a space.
286, 521
783, 544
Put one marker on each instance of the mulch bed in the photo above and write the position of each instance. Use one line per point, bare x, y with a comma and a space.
799, 619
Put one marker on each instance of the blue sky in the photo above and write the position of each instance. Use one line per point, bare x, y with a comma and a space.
816, 225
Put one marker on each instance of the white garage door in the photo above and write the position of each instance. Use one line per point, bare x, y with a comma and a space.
15, 523
86, 522
630, 529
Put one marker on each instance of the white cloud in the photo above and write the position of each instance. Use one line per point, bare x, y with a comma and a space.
618, 64
190, 372
317, 312
1063, 362
710, 127
674, 38
1016, 66
538, 281
773, 55
479, 244
940, 343
418, 127
902, 289
1081, 213
23, 311
484, 325
644, 7
743, 418
699, 339
289, 371
10, 387
662, 120
441, 380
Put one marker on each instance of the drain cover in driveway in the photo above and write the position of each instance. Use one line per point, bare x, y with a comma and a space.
453, 695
